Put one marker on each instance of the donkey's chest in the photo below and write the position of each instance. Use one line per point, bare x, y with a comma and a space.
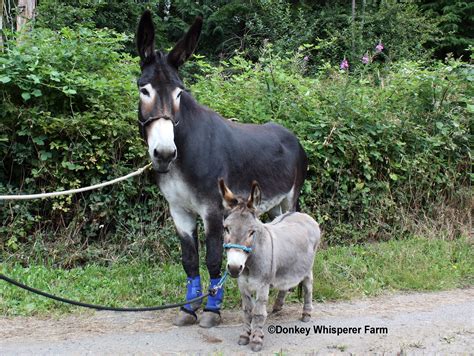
180, 193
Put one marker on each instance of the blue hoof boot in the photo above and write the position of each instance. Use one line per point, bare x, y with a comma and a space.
187, 314
193, 290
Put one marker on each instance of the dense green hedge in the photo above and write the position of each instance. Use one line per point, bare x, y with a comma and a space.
388, 145
68, 119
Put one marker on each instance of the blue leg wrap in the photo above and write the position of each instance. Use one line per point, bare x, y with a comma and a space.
214, 303
193, 290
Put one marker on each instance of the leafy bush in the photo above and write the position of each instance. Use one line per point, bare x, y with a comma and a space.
67, 111
456, 24
236, 25
121, 16
383, 145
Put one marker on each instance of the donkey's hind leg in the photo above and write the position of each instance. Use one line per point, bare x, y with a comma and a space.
289, 203
308, 297
279, 301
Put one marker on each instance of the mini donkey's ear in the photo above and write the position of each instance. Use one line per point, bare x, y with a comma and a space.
186, 45
255, 196
146, 37
228, 199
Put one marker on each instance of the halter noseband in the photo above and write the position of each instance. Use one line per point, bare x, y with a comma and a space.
240, 247
143, 124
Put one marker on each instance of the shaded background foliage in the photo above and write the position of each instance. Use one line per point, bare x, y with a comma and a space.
388, 142
414, 26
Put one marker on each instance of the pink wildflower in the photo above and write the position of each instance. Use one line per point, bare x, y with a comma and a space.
344, 64
379, 48
365, 58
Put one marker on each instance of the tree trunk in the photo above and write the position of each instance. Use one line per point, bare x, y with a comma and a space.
26, 11
353, 26
1, 25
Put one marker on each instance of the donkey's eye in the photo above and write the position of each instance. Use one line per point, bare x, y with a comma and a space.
226, 230
251, 233
144, 92
179, 94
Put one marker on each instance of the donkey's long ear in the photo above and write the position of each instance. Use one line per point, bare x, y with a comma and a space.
186, 45
255, 196
146, 37
228, 199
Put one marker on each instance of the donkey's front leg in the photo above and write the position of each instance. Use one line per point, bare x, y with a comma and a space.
214, 229
259, 315
247, 306
185, 223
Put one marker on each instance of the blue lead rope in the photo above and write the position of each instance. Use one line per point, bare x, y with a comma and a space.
212, 292
219, 285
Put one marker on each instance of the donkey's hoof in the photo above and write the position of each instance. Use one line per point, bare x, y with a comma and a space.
256, 340
210, 319
305, 317
185, 318
256, 346
243, 340
277, 308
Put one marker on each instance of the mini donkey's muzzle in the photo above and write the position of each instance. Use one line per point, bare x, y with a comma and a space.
236, 257
235, 270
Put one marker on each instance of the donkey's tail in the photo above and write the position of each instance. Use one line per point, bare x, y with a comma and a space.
298, 208
301, 173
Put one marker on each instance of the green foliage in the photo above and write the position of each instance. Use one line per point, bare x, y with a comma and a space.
341, 272
67, 110
456, 22
380, 142
56, 15
121, 16
236, 25
401, 26
414, 264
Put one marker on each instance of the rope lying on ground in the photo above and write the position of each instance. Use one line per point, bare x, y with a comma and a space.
212, 292
73, 191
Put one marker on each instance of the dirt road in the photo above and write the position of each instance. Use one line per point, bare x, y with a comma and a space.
421, 322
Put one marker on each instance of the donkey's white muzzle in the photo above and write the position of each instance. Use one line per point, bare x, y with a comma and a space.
236, 262
161, 146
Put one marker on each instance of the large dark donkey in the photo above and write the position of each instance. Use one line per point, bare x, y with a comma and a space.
191, 147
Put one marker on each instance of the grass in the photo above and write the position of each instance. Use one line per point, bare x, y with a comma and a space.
341, 272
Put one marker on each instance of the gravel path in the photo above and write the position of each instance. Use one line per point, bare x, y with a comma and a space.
440, 322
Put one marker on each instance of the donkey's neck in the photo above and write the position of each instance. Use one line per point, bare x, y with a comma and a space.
260, 261
194, 120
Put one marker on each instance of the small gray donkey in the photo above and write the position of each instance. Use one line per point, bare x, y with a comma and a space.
279, 254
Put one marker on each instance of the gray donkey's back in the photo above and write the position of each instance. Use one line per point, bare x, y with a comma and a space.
296, 236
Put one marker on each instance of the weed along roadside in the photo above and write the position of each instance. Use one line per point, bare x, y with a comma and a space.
340, 273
